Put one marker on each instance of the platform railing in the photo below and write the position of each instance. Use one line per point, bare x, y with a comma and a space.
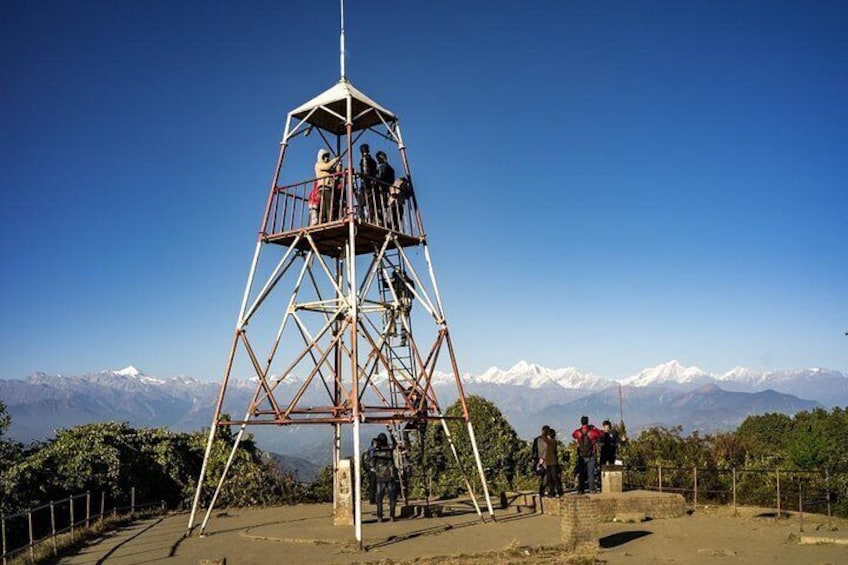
309, 204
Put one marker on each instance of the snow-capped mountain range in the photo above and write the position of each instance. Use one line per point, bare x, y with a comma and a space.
534, 376
528, 394
671, 373
826, 386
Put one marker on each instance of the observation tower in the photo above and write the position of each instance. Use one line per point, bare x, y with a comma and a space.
341, 322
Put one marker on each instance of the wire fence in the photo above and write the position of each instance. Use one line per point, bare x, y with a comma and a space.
46, 524
782, 490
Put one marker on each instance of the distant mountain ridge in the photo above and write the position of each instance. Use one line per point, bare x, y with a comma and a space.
826, 386
535, 376
528, 394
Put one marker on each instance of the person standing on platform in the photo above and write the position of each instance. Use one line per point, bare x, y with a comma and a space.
367, 173
587, 437
385, 179
609, 443
325, 167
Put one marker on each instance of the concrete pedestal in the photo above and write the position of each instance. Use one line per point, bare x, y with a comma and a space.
612, 479
343, 494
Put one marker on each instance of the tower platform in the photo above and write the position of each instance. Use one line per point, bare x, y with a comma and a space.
330, 238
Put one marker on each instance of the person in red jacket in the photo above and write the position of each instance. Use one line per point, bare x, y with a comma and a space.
587, 437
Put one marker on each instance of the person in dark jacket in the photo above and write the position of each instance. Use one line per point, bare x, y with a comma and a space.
385, 179
609, 443
368, 172
368, 475
542, 456
555, 480
386, 473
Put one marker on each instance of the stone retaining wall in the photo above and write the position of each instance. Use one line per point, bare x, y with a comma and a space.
581, 515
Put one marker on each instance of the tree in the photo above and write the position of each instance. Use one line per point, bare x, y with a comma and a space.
728, 451
162, 465
765, 437
321, 490
498, 444
5, 420
10, 451
668, 447
819, 440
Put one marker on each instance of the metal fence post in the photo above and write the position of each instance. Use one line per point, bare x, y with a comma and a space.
31, 542
3, 528
87, 507
71, 505
102, 505
695, 486
53, 527
777, 473
659, 477
734, 492
801, 502
132, 502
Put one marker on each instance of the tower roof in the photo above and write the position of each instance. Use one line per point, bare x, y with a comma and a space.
328, 110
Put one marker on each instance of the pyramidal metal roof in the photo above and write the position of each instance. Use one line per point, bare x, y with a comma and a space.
329, 110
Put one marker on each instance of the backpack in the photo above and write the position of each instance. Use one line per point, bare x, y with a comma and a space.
585, 445
383, 463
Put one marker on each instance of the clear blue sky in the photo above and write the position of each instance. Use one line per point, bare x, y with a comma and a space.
607, 185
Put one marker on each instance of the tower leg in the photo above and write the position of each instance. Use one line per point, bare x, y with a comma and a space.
213, 428
461, 468
357, 485
480, 469
194, 504
353, 300
224, 475
337, 455
337, 444
220, 403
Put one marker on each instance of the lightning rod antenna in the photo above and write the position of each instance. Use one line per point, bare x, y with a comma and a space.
341, 42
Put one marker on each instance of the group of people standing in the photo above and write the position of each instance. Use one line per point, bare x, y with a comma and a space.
590, 443
380, 194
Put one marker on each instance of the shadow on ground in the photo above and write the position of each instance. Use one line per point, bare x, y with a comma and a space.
781, 515
620, 538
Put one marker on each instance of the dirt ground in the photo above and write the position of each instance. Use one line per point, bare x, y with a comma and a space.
305, 534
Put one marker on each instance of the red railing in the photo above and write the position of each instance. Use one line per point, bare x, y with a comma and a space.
307, 204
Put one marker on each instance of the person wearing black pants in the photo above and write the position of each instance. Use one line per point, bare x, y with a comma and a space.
555, 482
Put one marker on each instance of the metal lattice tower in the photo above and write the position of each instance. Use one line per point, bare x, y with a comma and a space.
340, 271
